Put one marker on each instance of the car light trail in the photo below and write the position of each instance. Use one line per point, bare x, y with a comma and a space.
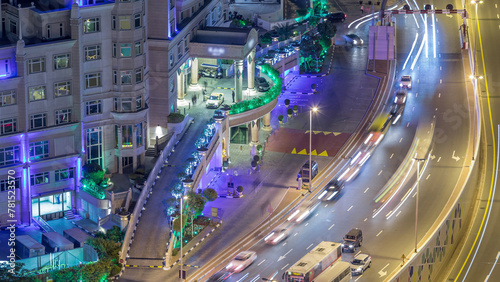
302, 216
352, 175
418, 8
364, 159
278, 238
355, 158
418, 53
379, 139
343, 174
293, 215
322, 195
269, 236
370, 15
411, 51
397, 118
368, 139
333, 195
413, 14
433, 33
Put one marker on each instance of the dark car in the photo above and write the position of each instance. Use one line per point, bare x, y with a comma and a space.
352, 240
262, 84
336, 17
332, 190
219, 276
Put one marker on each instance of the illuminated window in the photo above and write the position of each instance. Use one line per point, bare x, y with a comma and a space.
37, 93
124, 22
93, 107
39, 178
62, 88
63, 116
127, 136
91, 25
7, 98
93, 80
9, 155
38, 121
39, 150
36, 65
4, 67
92, 53
126, 77
8, 126
65, 173
125, 49
94, 145
61, 61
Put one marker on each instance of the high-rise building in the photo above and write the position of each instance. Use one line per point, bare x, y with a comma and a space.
86, 81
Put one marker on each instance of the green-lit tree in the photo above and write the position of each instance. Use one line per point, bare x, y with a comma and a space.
196, 202
310, 51
327, 29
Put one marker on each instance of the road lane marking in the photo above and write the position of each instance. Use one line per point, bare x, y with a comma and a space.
296, 234
288, 252
440, 68
428, 176
366, 189
261, 262
440, 81
358, 278
439, 95
489, 274
326, 205
284, 266
255, 278
408, 125
307, 224
400, 139
392, 156
366, 219
498, 17
380, 172
416, 94
439, 159
331, 226
244, 277
350, 208
357, 253
309, 246
398, 213
380, 233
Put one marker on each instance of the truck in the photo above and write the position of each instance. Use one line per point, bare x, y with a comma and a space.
314, 262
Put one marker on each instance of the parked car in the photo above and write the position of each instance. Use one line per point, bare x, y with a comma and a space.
278, 234
262, 84
332, 190
215, 100
405, 81
352, 240
353, 39
241, 261
336, 17
360, 263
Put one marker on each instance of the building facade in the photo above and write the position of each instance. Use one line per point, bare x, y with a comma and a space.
86, 81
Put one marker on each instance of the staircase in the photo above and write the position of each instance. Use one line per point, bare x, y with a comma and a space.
43, 224
69, 215
150, 152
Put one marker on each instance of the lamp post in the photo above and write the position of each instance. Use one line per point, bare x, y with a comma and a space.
416, 205
475, 2
313, 109
181, 225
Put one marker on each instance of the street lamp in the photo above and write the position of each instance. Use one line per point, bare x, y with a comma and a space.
416, 205
185, 198
313, 109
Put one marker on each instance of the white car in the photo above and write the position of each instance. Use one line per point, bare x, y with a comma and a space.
405, 81
241, 261
360, 263
215, 100
278, 234
302, 212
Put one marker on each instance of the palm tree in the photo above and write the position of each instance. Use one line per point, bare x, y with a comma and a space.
284, 31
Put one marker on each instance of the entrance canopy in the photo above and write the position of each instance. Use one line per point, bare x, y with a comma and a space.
223, 43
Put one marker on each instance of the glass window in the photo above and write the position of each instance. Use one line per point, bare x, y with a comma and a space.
126, 104
37, 93
124, 22
114, 49
124, 0
13, 26
92, 53
38, 121
115, 106
36, 65
63, 116
4, 67
94, 145
138, 134
127, 136
93, 80
179, 50
138, 103
186, 47
39, 178
171, 57
115, 77
7, 98
113, 22
138, 48
126, 77
39, 150
137, 20
138, 75
8, 126
125, 50
61, 61
61, 30
65, 173
6, 183
62, 88
93, 107
91, 25
9, 155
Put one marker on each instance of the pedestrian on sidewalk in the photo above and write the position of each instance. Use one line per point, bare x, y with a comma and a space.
193, 99
362, 9
232, 94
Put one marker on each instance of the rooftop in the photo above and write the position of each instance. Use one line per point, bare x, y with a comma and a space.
222, 35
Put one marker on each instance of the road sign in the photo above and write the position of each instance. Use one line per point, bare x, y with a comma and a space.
230, 185
214, 212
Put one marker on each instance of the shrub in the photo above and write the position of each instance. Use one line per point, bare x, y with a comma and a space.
295, 107
287, 102
289, 111
175, 118
210, 194
280, 117
239, 189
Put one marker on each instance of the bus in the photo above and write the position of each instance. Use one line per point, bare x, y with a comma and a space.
314, 262
340, 271
304, 173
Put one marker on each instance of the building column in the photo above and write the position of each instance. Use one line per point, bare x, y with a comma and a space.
203, 166
194, 72
120, 142
254, 125
267, 122
179, 85
251, 69
238, 80
226, 134
134, 147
